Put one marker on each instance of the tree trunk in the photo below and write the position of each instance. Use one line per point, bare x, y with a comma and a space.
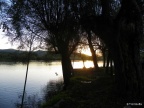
67, 69
111, 67
66, 63
108, 61
126, 51
120, 77
104, 57
109, 64
128, 72
129, 31
94, 57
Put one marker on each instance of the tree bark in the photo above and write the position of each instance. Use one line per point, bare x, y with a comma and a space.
104, 57
129, 32
67, 69
66, 62
108, 61
120, 77
94, 57
111, 67
109, 64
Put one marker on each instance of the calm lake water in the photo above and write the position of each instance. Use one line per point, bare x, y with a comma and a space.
12, 77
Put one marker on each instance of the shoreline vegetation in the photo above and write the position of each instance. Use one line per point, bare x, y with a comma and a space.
21, 56
90, 88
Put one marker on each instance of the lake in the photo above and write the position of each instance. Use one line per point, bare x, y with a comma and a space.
12, 77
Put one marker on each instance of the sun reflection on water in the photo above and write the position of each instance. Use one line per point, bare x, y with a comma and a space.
87, 64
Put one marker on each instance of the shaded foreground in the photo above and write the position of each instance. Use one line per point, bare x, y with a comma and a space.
91, 89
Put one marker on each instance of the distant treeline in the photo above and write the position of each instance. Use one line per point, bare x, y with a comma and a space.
16, 55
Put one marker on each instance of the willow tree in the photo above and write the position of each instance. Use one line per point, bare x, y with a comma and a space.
121, 33
52, 20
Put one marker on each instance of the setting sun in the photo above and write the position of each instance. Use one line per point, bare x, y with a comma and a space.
86, 51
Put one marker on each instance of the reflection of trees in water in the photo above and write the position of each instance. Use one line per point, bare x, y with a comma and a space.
52, 88
30, 101
33, 101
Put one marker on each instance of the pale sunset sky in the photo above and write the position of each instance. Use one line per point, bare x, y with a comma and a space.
4, 43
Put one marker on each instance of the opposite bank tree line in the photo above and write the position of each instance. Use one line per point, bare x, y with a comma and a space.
11, 55
63, 25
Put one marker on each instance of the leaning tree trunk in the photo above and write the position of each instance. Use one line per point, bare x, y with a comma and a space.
94, 57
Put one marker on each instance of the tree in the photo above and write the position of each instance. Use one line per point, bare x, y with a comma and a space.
129, 29
122, 36
88, 39
3, 16
52, 20
94, 57
117, 23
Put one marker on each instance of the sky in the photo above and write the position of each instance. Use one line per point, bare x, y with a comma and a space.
4, 43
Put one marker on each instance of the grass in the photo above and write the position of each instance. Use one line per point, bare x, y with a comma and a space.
88, 89
55, 99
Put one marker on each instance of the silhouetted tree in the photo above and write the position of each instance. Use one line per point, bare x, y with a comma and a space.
122, 36
87, 39
94, 57
52, 20
118, 23
3, 15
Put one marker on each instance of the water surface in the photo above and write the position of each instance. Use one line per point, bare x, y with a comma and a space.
12, 79
40, 73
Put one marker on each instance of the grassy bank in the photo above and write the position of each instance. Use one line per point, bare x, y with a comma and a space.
89, 89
